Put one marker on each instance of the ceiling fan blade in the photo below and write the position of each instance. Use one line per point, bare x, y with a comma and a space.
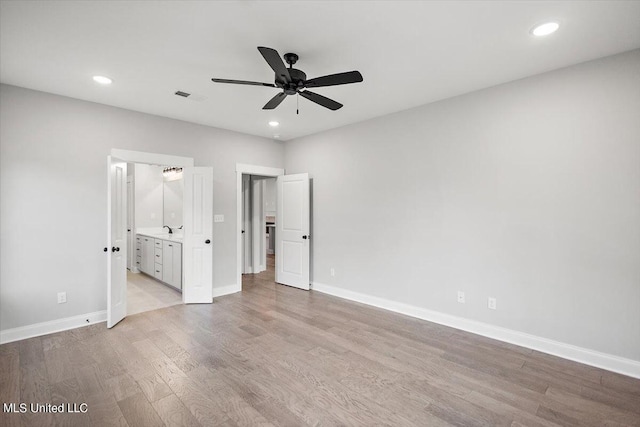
243, 82
275, 101
321, 100
275, 62
335, 79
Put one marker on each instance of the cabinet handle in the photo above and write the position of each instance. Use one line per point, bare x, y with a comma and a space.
114, 249
106, 249
157, 256
207, 241
170, 246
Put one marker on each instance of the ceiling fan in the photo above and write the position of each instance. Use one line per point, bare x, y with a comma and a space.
293, 81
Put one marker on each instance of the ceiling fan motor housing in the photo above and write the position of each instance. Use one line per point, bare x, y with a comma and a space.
297, 82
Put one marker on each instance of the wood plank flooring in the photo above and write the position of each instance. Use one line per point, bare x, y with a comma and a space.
274, 355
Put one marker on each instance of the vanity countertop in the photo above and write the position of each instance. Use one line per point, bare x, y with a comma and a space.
164, 236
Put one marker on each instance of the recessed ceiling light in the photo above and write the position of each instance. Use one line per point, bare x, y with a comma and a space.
102, 80
273, 124
545, 29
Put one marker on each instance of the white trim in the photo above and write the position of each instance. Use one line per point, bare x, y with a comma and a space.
258, 170
242, 168
151, 158
567, 351
226, 290
52, 326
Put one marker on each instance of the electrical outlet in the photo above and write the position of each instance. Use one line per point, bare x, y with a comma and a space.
218, 218
491, 303
461, 297
333, 272
62, 297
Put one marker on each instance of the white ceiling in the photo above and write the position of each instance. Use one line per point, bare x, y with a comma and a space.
410, 53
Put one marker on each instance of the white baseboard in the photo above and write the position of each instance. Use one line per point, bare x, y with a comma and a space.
226, 290
567, 351
58, 325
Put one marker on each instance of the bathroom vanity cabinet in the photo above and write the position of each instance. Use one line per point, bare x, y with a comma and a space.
161, 258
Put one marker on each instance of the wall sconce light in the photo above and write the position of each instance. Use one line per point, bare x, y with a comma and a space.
171, 171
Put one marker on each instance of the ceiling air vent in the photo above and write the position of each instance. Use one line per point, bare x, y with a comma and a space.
191, 96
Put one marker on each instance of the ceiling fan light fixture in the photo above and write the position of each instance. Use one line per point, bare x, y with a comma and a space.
545, 29
102, 80
273, 124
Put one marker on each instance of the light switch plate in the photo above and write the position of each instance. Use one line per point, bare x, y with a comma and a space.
218, 218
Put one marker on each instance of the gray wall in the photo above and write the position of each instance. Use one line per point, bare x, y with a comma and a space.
528, 192
53, 201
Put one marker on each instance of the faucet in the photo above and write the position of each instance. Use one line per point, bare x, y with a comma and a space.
170, 230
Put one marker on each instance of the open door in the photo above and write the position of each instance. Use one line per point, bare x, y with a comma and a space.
292, 231
117, 238
198, 235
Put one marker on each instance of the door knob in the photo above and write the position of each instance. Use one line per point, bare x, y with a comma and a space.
207, 241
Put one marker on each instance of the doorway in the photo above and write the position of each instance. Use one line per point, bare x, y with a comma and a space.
292, 231
258, 222
195, 267
154, 212
256, 215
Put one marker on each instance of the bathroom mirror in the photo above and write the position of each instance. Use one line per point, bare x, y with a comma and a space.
172, 195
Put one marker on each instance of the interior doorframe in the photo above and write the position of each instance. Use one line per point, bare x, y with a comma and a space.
129, 156
245, 169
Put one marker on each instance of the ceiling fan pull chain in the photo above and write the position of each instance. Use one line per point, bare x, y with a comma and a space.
297, 103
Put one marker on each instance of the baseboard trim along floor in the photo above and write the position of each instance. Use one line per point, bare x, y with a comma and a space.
567, 351
58, 325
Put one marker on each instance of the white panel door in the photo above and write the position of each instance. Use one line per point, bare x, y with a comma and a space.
198, 235
292, 231
117, 249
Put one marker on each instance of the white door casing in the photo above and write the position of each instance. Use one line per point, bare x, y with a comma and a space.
131, 241
198, 235
258, 225
292, 230
117, 238
246, 225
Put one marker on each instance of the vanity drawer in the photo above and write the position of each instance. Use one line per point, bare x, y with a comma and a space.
157, 272
158, 253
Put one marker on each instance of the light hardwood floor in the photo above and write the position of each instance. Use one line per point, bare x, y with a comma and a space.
274, 355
